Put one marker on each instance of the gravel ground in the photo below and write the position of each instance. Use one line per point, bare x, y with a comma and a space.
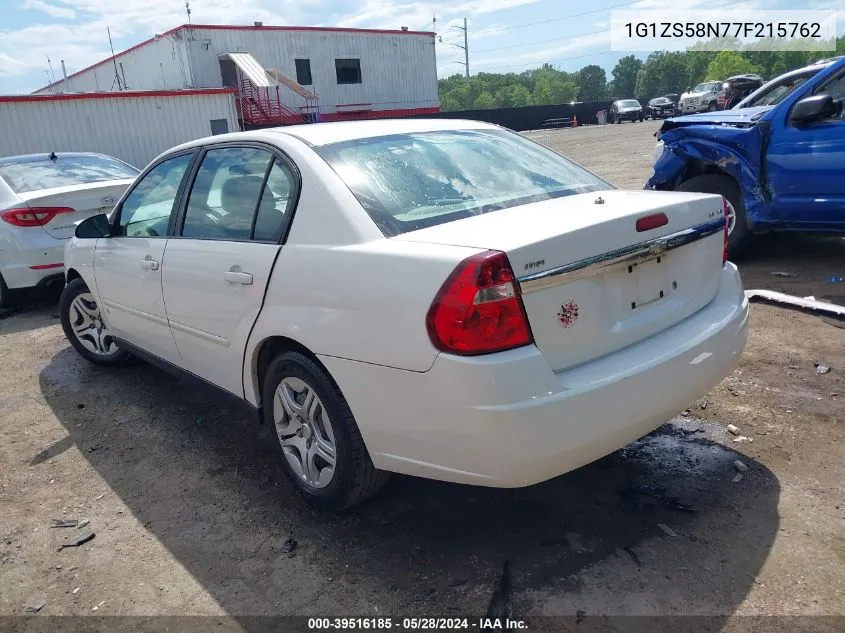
192, 516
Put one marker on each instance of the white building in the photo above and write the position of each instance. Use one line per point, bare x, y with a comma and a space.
281, 74
134, 126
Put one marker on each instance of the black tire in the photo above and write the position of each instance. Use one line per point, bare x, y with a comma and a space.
727, 187
355, 478
712, 107
68, 318
5, 295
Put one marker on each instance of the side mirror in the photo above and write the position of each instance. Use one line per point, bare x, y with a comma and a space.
94, 227
814, 108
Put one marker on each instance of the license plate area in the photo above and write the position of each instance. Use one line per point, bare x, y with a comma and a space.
648, 280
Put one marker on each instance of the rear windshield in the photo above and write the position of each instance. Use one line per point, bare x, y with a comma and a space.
630, 103
412, 181
33, 175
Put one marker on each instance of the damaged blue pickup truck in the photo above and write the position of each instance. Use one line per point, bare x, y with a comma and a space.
780, 167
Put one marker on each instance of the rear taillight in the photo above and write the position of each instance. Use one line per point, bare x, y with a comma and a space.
32, 216
726, 211
479, 309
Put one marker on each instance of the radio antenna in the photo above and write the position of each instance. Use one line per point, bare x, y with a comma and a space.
114, 61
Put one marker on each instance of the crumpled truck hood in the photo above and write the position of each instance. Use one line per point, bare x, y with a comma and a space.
745, 117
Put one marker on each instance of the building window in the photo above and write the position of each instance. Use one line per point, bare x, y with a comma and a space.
348, 71
303, 72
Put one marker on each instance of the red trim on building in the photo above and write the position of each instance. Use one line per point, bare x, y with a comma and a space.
330, 29
72, 96
376, 114
223, 27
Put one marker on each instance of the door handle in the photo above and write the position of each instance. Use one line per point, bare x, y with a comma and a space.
148, 263
237, 277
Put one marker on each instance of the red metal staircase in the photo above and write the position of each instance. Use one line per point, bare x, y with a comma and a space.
262, 105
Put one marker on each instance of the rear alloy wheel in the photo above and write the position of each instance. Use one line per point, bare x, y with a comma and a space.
84, 326
321, 447
738, 233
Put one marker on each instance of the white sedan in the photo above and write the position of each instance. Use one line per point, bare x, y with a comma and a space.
42, 197
438, 298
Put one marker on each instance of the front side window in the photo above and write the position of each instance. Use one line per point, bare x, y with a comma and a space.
63, 170
146, 210
836, 89
348, 71
412, 181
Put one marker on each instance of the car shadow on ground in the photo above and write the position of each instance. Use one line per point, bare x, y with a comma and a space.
202, 478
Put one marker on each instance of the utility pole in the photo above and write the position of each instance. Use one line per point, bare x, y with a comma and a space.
465, 47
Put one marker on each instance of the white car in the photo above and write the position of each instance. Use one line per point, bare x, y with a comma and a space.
42, 197
438, 298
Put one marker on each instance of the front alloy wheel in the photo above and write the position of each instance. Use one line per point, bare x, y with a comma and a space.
85, 328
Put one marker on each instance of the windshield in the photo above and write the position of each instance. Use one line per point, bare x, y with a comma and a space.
708, 86
630, 103
73, 169
412, 181
776, 93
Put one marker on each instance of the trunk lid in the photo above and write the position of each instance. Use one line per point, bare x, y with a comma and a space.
85, 200
591, 283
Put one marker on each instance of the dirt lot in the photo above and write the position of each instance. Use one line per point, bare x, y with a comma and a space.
192, 515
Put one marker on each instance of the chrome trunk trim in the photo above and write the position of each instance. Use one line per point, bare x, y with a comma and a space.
627, 256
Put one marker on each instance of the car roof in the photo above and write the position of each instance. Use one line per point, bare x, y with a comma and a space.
317, 134
34, 158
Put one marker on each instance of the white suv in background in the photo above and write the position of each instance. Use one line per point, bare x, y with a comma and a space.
42, 197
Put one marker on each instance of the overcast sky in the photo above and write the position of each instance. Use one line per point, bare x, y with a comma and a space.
505, 35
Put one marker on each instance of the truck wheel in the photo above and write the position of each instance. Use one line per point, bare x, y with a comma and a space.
711, 107
85, 329
738, 233
318, 441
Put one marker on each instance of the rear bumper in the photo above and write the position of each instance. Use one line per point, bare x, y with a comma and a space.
508, 420
28, 257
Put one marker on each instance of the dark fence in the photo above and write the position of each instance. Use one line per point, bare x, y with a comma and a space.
518, 119
530, 117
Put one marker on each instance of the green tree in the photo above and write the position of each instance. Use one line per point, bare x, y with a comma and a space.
563, 91
663, 73
729, 63
625, 76
592, 83
484, 101
543, 92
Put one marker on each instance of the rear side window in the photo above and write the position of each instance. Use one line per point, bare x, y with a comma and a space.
240, 193
412, 181
65, 170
